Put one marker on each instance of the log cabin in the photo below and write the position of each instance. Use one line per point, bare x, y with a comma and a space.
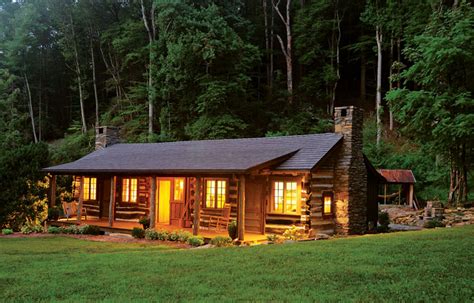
321, 183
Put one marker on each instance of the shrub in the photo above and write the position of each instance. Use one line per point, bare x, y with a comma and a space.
232, 229
384, 221
293, 233
274, 238
163, 235
138, 233
145, 221
151, 234
183, 235
7, 231
89, 230
28, 229
71, 230
173, 236
434, 223
54, 230
195, 241
221, 241
54, 213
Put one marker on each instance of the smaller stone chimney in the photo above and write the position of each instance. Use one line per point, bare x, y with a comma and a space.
106, 136
350, 186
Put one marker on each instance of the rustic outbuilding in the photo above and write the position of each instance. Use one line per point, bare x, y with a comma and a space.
321, 183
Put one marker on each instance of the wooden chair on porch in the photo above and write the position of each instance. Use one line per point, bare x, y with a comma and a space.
70, 209
216, 218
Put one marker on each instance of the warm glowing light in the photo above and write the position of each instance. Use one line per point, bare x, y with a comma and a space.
327, 204
285, 197
179, 189
90, 188
216, 193
129, 190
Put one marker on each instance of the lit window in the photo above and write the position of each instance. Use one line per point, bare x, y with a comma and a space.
179, 189
90, 188
285, 197
327, 200
129, 190
216, 193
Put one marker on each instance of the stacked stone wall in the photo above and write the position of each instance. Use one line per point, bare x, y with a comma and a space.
350, 183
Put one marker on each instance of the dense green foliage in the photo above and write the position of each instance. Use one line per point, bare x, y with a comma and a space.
218, 69
394, 267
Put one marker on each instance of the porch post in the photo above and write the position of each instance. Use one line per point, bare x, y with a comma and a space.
153, 201
81, 199
241, 209
197, 206
52, 184
113, 189
410, 196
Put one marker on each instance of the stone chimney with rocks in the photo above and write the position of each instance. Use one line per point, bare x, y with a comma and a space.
106, 136
350, 184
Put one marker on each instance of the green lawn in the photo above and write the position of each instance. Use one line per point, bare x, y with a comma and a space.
430, 265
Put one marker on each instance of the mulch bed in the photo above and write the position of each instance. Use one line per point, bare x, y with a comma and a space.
102, 238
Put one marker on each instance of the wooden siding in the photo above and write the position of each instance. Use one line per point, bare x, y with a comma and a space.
321, 180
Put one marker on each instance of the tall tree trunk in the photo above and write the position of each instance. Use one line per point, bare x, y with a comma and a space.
30, 109
94, 83
272, 41
78, 76
363, 72
151, 30
287, 50
40, 104
390, 78
336, 42
378, 98
267, 44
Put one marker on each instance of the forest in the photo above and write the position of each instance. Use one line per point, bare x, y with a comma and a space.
166, 70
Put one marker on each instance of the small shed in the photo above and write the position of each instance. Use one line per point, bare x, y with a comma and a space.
402, 177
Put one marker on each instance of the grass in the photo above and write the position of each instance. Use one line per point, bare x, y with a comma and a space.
423, 266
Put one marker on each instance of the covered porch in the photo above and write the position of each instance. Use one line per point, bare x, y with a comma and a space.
116, 202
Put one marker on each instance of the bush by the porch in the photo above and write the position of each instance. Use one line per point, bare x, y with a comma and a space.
221, 241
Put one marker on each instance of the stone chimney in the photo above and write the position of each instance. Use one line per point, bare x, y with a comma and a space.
350, 185
106, 136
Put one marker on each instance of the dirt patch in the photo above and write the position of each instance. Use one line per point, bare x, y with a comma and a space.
103, 238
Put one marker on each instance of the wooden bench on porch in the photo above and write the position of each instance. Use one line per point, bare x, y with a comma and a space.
215, 218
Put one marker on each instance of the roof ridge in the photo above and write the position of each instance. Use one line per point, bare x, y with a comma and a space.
230, 139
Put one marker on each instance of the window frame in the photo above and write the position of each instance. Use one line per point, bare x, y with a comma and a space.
89, 188
285, 180
204, 200
128, 200
329, 194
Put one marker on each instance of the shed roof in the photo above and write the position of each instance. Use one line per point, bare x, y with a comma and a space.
225, 156
397, 175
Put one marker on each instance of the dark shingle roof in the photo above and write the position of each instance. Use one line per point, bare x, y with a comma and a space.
228, 155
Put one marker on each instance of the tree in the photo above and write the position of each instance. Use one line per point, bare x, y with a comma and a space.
375, 15
151, 30
286, 48
437, 106
318, 36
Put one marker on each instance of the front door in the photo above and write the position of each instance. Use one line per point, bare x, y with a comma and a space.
254, 205
164, 199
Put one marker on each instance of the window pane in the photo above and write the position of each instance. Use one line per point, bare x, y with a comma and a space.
278, 197
93, 189
327, 204
133, 190
291, 197
125, 189
179, 189
86, 188
210, 193
221, 194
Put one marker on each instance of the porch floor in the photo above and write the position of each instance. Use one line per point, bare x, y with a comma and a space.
126, 227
